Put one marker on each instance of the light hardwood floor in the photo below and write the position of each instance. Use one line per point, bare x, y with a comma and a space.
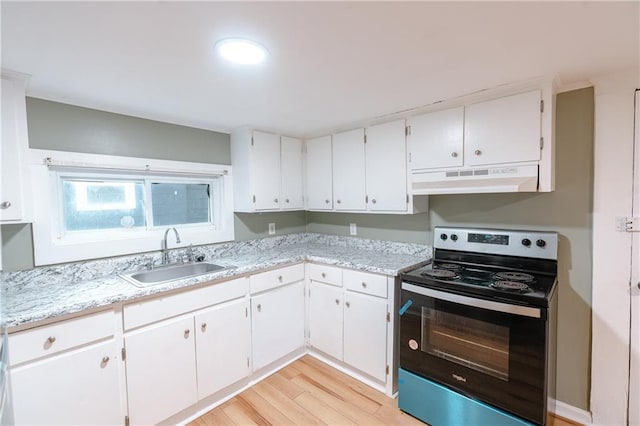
309, 392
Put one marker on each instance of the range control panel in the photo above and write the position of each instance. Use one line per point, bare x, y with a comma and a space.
538, 244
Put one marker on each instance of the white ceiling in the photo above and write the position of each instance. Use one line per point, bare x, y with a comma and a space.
331, 64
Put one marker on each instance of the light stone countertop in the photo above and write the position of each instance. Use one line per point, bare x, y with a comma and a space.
45, 293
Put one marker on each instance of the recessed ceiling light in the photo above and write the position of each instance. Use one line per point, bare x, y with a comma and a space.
241, 51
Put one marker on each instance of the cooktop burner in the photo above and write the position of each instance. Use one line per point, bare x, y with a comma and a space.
439, 273
511, 286
450, 266
515, 276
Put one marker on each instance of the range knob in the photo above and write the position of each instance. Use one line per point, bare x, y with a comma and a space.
454, 237
443, 237
526, 242
541, 243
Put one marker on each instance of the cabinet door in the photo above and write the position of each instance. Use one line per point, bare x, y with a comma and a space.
14, 134
319, 174
265, 157
161, 370
365, 334
79, 387
505, 130
223, 336
277, 323
291, 197
325, 318
386, 166
349, 170
436, 139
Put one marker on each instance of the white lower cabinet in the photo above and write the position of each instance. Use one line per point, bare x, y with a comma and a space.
161, 370
349, 318
277, 323
365, 334
223, 336
325, 318
77, 387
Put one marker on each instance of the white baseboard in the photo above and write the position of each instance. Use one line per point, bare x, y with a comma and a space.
572, 413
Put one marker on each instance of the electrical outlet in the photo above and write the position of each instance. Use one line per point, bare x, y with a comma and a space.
272, 228
353, 229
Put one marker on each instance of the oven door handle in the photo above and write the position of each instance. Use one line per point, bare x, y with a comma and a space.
472, 301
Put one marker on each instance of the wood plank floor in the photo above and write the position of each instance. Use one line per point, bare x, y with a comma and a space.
309, 392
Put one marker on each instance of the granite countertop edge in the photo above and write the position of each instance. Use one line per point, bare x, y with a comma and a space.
26, 311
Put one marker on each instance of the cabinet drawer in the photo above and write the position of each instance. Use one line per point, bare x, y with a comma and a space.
325, 274
163, 307
50, 339
365, 282
272, 279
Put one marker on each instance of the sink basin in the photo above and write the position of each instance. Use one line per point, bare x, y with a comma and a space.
172, 272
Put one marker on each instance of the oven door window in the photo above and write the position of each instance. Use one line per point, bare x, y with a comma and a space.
473, 343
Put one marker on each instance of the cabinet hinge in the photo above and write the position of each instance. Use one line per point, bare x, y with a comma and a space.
409, 157
407, 198
251, 140
123, 354
541, 143
254, 198
541, 105
365, 138
407, 131
386, 370
246, 312
366, 199
247, 362
126, 420
388, 316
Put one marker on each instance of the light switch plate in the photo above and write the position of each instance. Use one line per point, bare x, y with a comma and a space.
353, 229
272, 228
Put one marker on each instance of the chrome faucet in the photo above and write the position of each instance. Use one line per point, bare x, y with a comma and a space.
165, 250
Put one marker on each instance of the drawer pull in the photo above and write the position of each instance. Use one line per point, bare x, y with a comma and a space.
186, 333
259, 307
203, 327
280, 278
337, 301
51, 340
347, 304
323, 275
105, 359
364, 285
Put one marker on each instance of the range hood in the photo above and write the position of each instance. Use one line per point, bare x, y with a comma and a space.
477, 180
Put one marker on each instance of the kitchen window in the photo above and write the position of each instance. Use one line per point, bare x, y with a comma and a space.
102, 210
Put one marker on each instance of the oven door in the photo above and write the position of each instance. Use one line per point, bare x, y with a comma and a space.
488, 350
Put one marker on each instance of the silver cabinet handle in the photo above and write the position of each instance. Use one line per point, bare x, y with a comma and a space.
51, 340
454, 154
186, 333
347, 304
259, 307
373, 200
639, 284
275, 200
364, 285
337, 301
286, 200
203, 327
105, 359
280, 278
326, 201
323, 275
477, 152
338, 201
5, 204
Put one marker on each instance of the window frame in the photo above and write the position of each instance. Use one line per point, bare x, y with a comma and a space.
52, 244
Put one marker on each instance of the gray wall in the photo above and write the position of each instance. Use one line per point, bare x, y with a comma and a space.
64, 127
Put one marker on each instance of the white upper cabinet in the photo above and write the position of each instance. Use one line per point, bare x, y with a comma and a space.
265, 161
436, 140
386, 167
267, 171
505, 130
349, 187
14, 144
291, 186
319, 176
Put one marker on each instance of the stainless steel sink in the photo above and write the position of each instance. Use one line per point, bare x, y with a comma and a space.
172, 272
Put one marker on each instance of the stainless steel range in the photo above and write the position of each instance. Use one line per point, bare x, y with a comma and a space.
477, 329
